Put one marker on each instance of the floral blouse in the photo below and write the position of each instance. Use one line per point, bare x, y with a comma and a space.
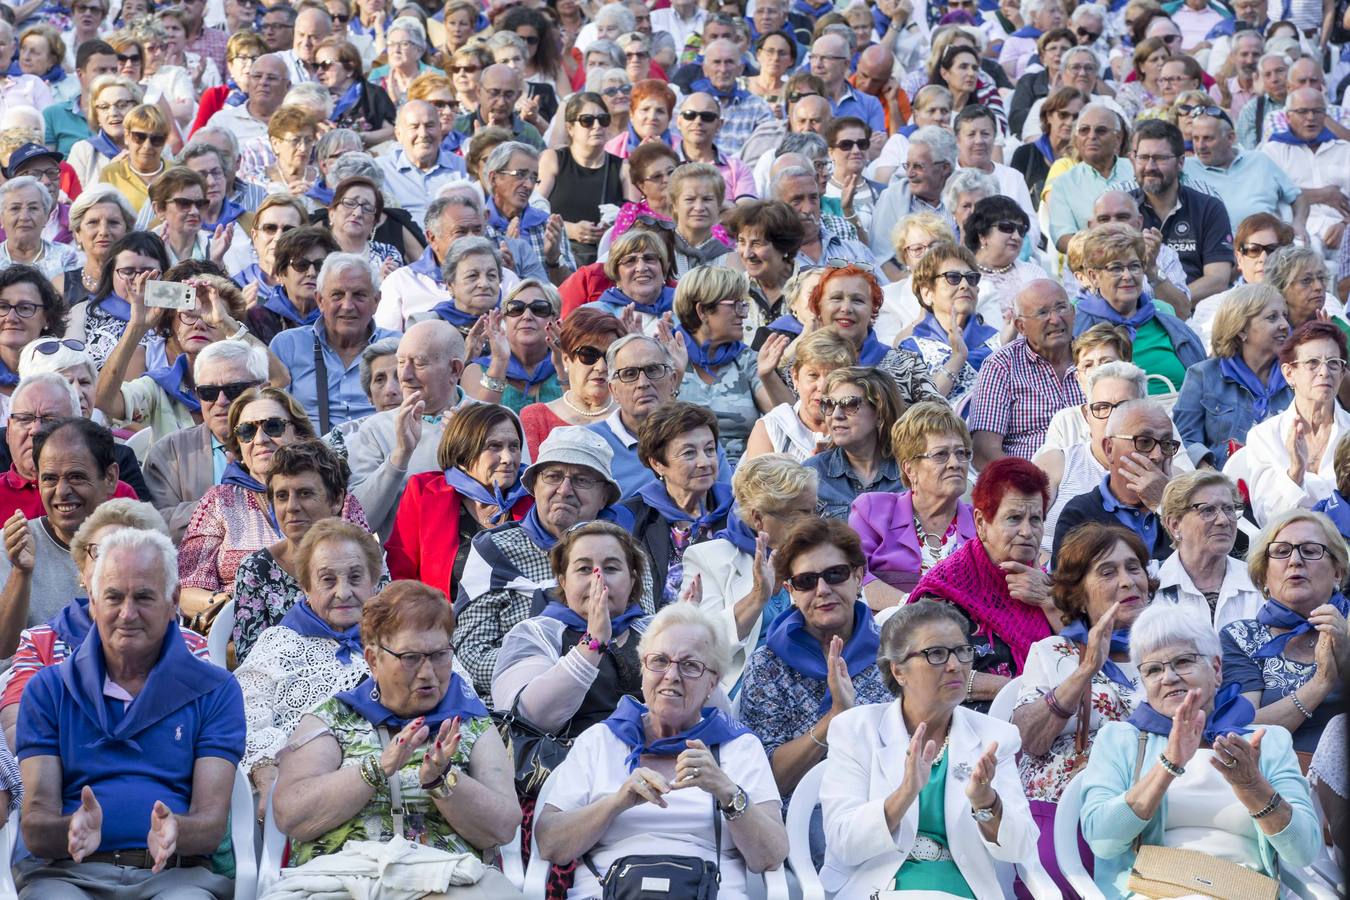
1049, 663
1275, 678
422, 821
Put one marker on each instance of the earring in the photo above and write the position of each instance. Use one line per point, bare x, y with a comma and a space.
375, 692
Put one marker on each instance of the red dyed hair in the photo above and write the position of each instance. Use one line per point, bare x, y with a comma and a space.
849, 271
1002, 475
1313, 330
653, 87
589, 326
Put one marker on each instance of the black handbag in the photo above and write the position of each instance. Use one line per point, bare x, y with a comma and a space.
535, 752
642, 877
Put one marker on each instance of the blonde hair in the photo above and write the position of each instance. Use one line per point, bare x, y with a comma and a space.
770, 481
878, 389
693, 172
1257, 562
706, 286
824, 347
1104, 334
148, 118
910, 433
1242, 304
101, 84
1073, 254
121, 511
1106, 244
1176, 498
929, 223
635, 240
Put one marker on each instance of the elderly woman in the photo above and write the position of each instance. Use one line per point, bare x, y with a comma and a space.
1243, 383
910, 238
1200, 510
687, 502
25, 204
801, 429
940, 778
651, 109
616, 89
214, 165
617, 795
37, 311
1058, 115
111, 97
577, 179
357, 104
101, 321
696, 193
860, 405
407, 42
1288, 459
353, 214
313, 651
963, 190
649, 168
1117, 292
1287, 660
520, 368
724, 374
1100, 344
18, 88
1036, 85
40, 53
906, 534
1245, 802
582, 340
472, 271
1256, 239
1081, 678
146, 131
733, 570
952, 338
413, 728
235, 518
995, 231
283, 283
1142, 91
178, 198
639, 265
306, 482
292, 132
768, 235
1300, 275
464, 68
993, 580
478, 487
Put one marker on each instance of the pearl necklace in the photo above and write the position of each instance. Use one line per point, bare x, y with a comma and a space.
89, 283
585, 412
990, 270
937, 760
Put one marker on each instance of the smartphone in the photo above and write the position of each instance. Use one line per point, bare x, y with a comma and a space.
761, 335
170, 295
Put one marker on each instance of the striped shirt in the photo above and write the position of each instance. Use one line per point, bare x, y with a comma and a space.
1016, 395
740, 118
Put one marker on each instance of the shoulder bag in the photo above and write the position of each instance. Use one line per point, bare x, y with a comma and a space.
534, 751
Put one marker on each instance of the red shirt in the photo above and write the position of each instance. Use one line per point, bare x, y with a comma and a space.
15, 493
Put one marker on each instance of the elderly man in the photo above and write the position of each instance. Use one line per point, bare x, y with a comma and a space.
932, 159
875, 77
1097, 143
512, 171
1272, 86
499, 87
699, 122
142, 815
292, 302
1306, 72
185, 464
1247, 181
268, 82
830, 62
328, 383
418, 167
796, 185
1139, 446
76, 472
209, 43
571, 483
1166, 277
1318, 162
67, 122
742, 111
312, 25
807, 111
1023, 384
392, 445
1250, 17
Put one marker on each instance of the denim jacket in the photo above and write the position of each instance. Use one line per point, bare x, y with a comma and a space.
839, 485
1211, 408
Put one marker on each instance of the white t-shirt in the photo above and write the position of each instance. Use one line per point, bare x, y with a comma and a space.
595, 768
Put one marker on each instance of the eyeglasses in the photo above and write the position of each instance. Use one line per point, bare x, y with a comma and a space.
1253, 250
523, 174
630, 374
807, 581
590, 120
274, 227
589, 355
707, 116
1094, 131
798, 95
184, 204
120, 105
273, 427
540, 309
128, 57
301, 266
955, 278
1145, 444
1310, 111
141, 137
652, 222
938, 656
1061, 309
351, 204
1154, 159
944, 455
1211, 511
636, 55
412, 661
555, 477
659, 664
1012, 228
402, 46
1183, 665
130, 272
443, 105
739, 307
210, 393
617, 89
23, 310
849, 146
1116, 270
49, 348
85, 8
849, 406
29, 419
1308, 550
342, 18
1334, 365
1103, 409
822, 57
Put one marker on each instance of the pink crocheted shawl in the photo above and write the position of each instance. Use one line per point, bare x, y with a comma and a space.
629, 212
970, 579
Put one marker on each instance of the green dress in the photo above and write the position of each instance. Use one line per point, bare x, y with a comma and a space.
936, 875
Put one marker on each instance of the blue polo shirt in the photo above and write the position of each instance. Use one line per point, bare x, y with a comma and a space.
346, 401
1252, 184
1142, 522
626, 468
866, 107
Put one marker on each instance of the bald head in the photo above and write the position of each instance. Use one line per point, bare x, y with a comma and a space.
1306, 109
1117, 206
874, 70
430, 360
1131, 420
418, 131
500, 87
810, 114
722, 64
1306, 72
1045, 318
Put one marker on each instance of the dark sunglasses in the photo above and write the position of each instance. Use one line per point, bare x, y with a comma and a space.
187, 203
540, 309
1253, 250
848, 146
807, 581
1010, 228
589, 355
326, 65
141, 137
588, 120
274, 427
849, 406
798, 95
1089, 35
128, 57
274, 227
465, 70
954, 278
50, 348
690, 115
306, 265
342, 19
210, 393
531, 39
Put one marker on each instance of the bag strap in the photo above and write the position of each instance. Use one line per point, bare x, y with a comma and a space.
395, 793
321, 385
1139, 767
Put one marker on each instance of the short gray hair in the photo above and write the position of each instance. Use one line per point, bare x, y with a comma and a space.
807, 143
1030, 8
411, 27
1081, 49
355, 162
1123, 371
1286, 262
311, 95
504, 39
676, 614
1130, 407
1166, 624
378, 350
964, 181
52, 380
94, 195
254, 359
939, 141
790, 172
612, 353
617, 14
1088, 9
466, 247
609, 48
28, 181
201, 135
336, 263
436, 208
596, 78
900, 628
338, 138
500, 157
136, 539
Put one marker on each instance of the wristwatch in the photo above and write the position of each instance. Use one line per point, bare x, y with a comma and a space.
737, 805
442, 787
986, 814
488, 383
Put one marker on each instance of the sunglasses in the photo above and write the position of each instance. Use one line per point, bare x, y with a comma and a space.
795, 96
955, 278
589, 355
849, 406
540, 309
274, 227
184, 204
1253, 250
325, 65
274, 427
210, 393
690, 115
615, 90
306, 265
654, 222
1010, 228
341, 19
49, 348
590, 120
128, 57
807, 581
465, 70
849, 146
1089, 35
142, 137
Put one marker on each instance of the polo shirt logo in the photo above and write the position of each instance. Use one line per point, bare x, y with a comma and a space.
1183, 226
178, 733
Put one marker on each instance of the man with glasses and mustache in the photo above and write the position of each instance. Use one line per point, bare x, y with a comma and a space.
183, 465
1139, 446
268, 83
499, 87
418, 167
1318, 162
742, 111
68, 122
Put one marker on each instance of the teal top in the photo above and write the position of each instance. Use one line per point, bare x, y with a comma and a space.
933, 875
514, 399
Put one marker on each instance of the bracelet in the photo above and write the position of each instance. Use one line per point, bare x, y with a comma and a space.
594, 644
1298, 705
970, 683
495, 385
1050, 701
370, 772
811, 733
1172, 768
1269, 808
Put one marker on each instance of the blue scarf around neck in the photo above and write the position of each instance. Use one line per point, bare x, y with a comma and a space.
617, 624
55, 75
1337, 508
1232, 713
1077, 631
451, 313
103, 144
794, 645
115, 306
1236, 368
664, 303
173, 379
726, 98
278, 302
874, 351
1288, 137
713, 728
8, 377
1095, 304
737, 533
343, 105
73, 624
1047, 149
786, 324
426, 265
236, 475
320, 192
655, 495
468, 487
459, 700
1274, 614
704, 358
975, 333
542, 538
303, 620
812, 11
515, 370
229, 212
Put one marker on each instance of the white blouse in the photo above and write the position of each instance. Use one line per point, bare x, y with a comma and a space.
1204, 814
1266, 466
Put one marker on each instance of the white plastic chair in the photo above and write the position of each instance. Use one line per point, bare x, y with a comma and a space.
273, 850
1066, 841
243, 837
513, 866
140, 442
1001, 707
9, 838
218, 641
801, 806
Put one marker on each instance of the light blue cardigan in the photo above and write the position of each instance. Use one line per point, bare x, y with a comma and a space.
1110, 826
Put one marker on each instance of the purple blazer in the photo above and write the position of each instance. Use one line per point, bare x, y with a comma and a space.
885, 523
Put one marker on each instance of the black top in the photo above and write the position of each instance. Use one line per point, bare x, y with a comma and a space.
1030, 161
128, 467
579, 191
73, 291
1198, 229
619, 674
374, 108
1030, 88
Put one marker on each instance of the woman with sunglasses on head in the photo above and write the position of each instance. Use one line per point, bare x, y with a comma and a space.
859, 406
147, 131
111, 97
357, 104
581, 177
520, 369
236, 517
581, 343
819, 659
1256, 238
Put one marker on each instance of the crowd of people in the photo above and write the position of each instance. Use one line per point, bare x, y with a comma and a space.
585, 431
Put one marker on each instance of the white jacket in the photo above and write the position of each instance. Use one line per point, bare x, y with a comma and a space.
727, 576
867, 763
1266, 462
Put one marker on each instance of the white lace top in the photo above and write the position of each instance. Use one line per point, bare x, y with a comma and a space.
1328, 762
